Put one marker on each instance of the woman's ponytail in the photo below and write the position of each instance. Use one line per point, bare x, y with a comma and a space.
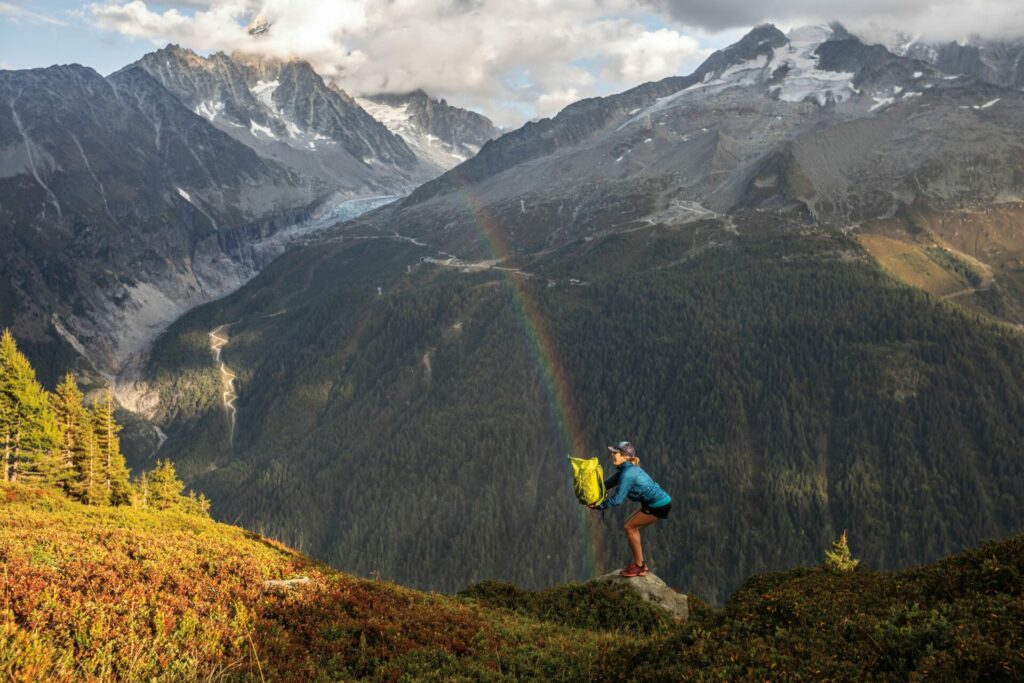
633, 459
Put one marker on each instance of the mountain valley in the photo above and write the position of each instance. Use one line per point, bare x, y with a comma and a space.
689, 264
111, 232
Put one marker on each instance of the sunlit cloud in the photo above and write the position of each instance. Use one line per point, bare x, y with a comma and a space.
934, 20
505, 57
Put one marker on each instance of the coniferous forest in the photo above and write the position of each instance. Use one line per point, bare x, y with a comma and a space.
54, 440
782, 390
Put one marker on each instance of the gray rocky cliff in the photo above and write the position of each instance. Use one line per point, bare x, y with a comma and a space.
433, 128
996, 62
286, 112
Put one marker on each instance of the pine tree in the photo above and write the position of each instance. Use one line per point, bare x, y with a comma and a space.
164, 486
839, 558
29, 429
7, 412
140, 491
114, 471
71, 418
196, 504
88, 485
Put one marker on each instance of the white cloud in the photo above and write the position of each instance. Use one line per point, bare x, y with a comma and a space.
937, 20
14, 13
647, 55
213, 28
504, 57
556, 100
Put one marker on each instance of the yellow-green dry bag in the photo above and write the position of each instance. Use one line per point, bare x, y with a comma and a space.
588, 480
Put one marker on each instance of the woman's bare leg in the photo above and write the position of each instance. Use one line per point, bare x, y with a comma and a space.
634, 523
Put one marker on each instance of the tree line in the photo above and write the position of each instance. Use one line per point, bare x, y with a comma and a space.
55, 440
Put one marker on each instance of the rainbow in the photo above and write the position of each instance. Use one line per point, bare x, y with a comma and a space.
559, 393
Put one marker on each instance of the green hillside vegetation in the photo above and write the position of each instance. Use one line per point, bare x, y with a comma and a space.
52, 440
948, 260
780, 386
125, 593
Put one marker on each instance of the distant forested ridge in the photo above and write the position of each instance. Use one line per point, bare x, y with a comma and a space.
780, 386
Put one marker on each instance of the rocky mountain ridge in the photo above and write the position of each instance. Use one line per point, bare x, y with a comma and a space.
285, 111
999, 62
823, 66
815, 124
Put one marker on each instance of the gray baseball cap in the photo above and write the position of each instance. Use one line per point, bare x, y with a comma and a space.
624, 447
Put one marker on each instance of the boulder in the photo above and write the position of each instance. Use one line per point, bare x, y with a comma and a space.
284, 585
653, 590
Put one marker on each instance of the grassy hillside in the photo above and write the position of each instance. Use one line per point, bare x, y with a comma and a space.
971, 255
129, 595
113, 593
780, 386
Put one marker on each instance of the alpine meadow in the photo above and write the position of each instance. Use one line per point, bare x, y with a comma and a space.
713, 369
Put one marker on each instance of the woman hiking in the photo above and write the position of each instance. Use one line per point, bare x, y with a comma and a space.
635, 484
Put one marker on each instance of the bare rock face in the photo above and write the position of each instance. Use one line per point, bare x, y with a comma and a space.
434, 129
653, 590
996, 62
286, 112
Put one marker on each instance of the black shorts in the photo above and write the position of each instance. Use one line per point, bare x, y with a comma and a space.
661, 512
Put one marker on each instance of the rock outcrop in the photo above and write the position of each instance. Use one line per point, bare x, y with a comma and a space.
653, 590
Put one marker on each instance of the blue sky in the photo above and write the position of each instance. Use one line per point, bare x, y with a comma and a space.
28, 41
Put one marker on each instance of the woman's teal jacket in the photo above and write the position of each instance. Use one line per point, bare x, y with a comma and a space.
634, 484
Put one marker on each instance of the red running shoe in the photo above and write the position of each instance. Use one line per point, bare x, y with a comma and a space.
634, 569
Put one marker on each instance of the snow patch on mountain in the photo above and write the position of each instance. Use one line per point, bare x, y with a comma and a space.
804, 80
209, 109
881, 102
791, 73
264, 92
255, 128
396, 119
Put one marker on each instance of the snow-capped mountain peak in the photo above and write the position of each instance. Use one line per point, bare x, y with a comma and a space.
286, 112
802, 78
435, 130
823, 65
